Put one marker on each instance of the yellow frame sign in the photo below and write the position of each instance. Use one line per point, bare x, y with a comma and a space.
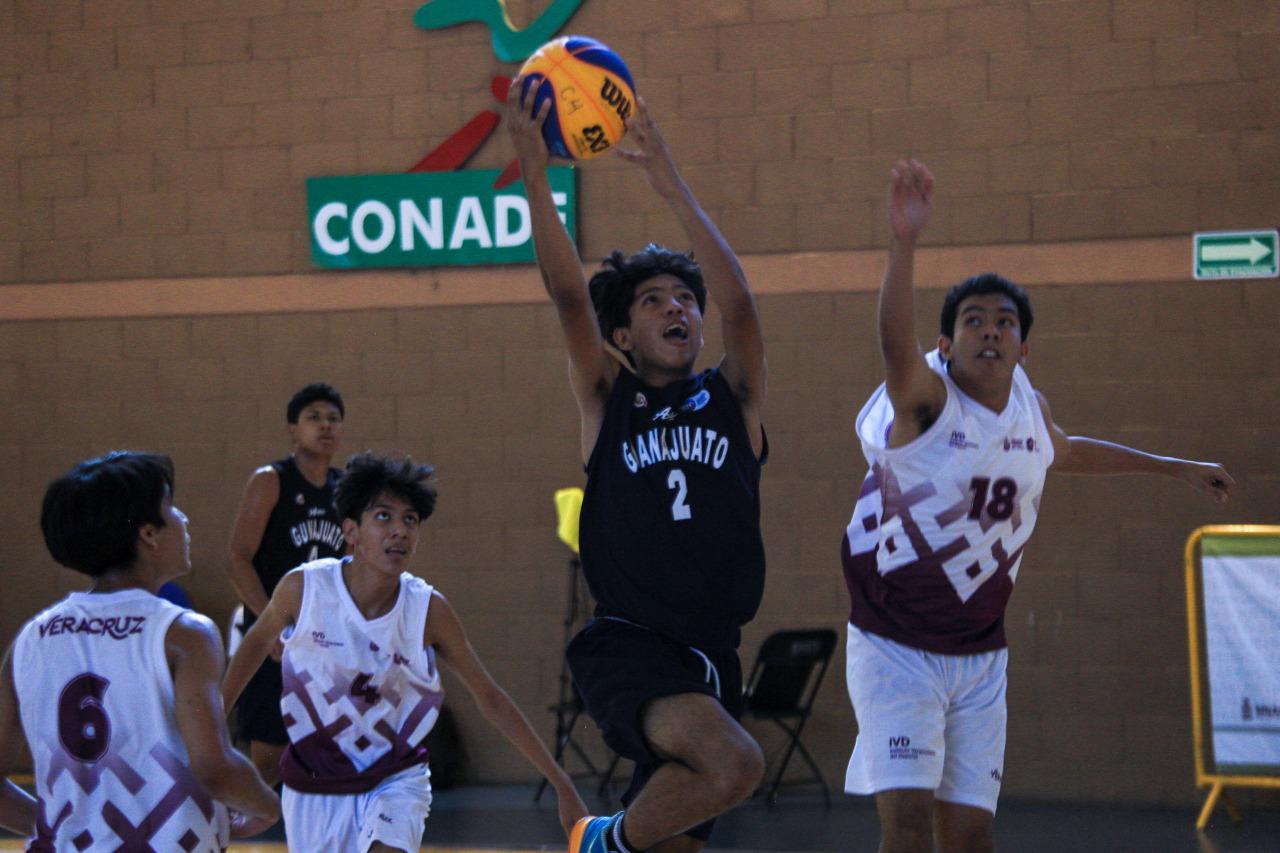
1215, 781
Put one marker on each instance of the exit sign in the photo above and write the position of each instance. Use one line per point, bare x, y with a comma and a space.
1236, 254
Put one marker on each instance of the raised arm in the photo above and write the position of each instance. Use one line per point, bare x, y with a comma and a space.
912, 386
444, 631
1094, 457
195, 656
591, 369
17, 807
260, 496
744, 362
280, 613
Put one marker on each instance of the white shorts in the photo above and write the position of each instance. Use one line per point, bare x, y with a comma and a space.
926, 720
394, 813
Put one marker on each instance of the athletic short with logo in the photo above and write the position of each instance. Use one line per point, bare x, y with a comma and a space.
394, 813
926, 720
619, 667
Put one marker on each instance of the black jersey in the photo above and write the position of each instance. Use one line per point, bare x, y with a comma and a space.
303, 526
670, 525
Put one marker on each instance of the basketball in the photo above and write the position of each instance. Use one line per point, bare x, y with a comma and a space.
591, 93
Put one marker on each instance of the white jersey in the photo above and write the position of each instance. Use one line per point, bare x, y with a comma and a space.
96, 698
360, 694
937, 534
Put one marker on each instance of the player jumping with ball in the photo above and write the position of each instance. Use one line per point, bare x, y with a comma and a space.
670, 524
959, 444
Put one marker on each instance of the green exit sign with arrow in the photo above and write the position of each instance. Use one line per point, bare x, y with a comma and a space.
1236, 254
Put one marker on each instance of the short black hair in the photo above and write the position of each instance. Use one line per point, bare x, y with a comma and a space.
91, 514
368, 476
613, 288
978, 285
310, 394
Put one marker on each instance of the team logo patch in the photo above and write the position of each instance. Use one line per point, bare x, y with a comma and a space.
697, 401
641, 400
299, 500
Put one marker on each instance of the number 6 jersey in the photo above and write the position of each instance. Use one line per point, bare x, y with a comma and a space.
96, 699
670, 525
940, 524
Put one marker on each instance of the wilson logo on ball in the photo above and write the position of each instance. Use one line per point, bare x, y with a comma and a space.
591, 93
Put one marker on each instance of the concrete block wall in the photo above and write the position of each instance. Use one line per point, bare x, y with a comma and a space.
173, 138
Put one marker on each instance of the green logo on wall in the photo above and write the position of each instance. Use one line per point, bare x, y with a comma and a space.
427, 219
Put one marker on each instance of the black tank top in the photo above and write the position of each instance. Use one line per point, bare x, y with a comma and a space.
303, 526
670, 525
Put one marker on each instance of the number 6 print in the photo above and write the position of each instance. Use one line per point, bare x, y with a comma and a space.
83, 727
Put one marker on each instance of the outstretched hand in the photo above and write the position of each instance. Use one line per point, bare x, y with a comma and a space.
525, 126
1207, 477
649, 150
910, 199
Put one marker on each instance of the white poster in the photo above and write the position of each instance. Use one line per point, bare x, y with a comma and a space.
1242, 636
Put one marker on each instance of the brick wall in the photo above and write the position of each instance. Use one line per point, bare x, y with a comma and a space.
1098, 686
172, 138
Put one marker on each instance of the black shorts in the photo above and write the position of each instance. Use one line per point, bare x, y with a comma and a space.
258, 708
619, 667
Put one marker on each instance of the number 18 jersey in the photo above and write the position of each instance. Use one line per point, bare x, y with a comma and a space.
670, 525
937, 534
96, 699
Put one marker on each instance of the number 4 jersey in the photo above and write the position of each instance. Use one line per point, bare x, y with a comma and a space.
97, 706
938, 531
670, 526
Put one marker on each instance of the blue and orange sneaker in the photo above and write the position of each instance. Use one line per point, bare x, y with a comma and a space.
591, 835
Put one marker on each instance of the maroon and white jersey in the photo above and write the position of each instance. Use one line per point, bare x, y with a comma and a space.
96, 698
937, 534
360, 694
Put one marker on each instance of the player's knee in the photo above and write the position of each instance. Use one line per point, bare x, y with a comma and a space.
739, 767
906, 824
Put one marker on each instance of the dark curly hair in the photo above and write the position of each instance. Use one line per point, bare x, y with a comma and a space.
613, 288
979, 285
91, 514
369, 476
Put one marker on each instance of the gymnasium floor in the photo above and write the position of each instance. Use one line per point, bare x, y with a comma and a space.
504, 820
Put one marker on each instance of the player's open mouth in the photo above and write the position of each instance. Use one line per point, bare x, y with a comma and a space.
676, 332
988, 353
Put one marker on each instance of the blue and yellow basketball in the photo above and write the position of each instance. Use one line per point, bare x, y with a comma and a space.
591, 92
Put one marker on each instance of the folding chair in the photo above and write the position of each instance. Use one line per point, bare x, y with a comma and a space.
783, 683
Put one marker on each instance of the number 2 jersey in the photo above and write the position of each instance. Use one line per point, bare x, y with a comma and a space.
670, 524
97, 706
937, 534
360, 694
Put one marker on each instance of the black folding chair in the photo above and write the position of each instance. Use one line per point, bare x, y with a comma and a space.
781, 688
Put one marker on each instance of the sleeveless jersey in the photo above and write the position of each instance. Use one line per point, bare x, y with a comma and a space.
303, 525
670, 524
933, 548
360, 695
97, 706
